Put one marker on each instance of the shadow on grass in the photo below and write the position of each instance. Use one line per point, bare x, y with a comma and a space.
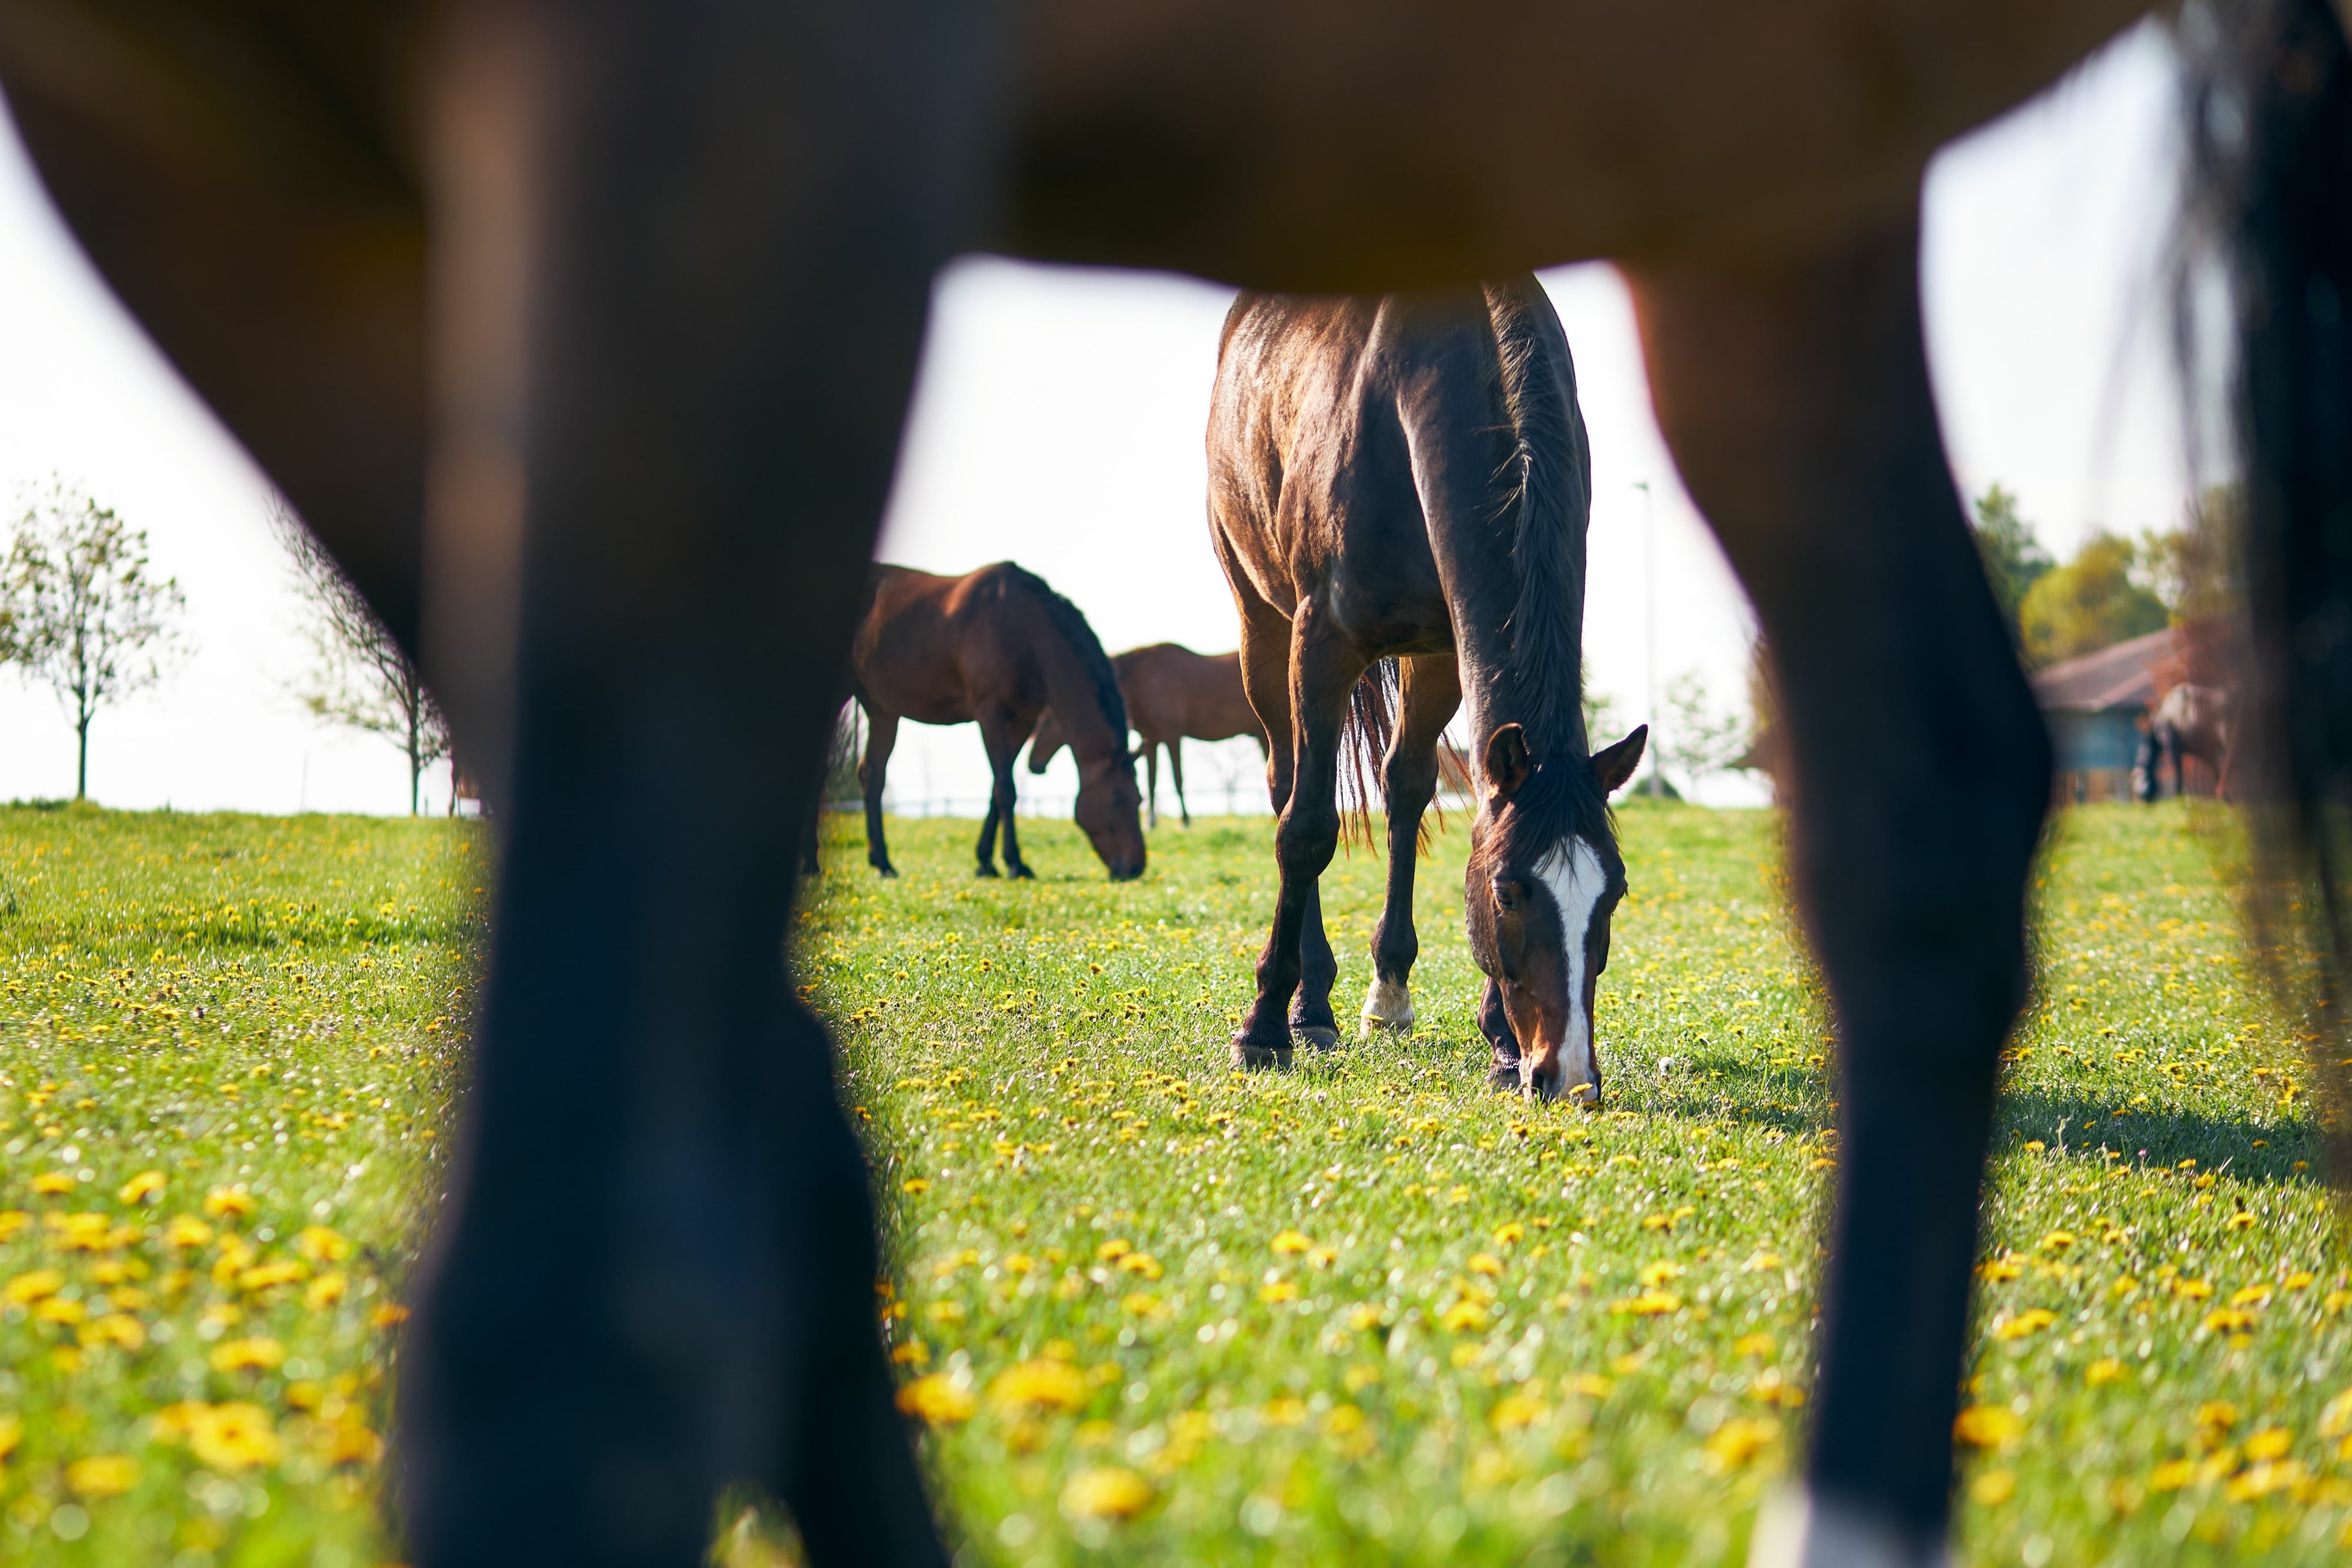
2161, 1138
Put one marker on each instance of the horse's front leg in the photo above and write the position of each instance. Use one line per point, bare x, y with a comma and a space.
1152, 784
1003, 737
1430, 691
1798, 405
1323, 668
653, 1275
873, 776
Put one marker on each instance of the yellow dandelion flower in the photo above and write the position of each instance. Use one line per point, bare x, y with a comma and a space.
1656, 1274
2252, 1296
2058, 1242
1648, 1304
102, 1475
1464, 1317
258, 1354
1363, 1317
140, 1188
1342, 1420
2336, 1301
32, 1287
1486, 1263
1106, 1491
2301, 1279
1139, 1304
232, 1437
2271, 1443
1142, 1263
2228, 1320
12, 1433
944, 1312
1017, 1263
348, 1442
2171, 1476
1988, 1427
58, 1310
1323, 1256
1284, 1410
2217, 1414
937, 1400
13, 1220
914, 1185
1047, 1383
2192, 1290
2106, 1369
1112, 1250
1511, 1233
1275, 1292
321, 1245
1993, 1488
2242, 1220
1760, 1262
230, 1202
1754, 1345
2005, 1267
262, 1276
387, 1317
325, 1291
2335, 1419
53, 1184
1590, 1385
187, 1231
1290, 1243
118, 1329
1738, 1440
1516, 1411
2030, 1321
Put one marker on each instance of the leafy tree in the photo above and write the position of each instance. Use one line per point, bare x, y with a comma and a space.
2091, 603
1696, 740
362, 677
1600, 709
81, 610
2014, 559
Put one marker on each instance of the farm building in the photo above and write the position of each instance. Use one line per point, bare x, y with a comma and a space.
2095, 705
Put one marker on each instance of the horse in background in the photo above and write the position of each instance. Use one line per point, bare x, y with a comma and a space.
1360, 453
994, 647
2191, 720
1172, 695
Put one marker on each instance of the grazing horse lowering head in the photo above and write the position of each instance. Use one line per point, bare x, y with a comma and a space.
1109, 812
1543, 880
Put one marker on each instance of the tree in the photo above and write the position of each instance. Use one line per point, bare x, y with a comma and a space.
81, 610
2014, 559
2089, 604
1696, 740
363, 678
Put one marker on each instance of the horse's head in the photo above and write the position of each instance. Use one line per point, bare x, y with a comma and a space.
1543, 880
1048, 740
1110, 810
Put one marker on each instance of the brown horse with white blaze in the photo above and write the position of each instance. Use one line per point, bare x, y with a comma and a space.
1172, 695
994, 647
1406, 476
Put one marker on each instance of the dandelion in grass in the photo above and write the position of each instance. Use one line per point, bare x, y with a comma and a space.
32, 1286
1106, 1493
257, 1354
1290, 1244
144, 1188
2024, 1324
2106, 1369
938, 1400
53, 1184
1993, 1488
102, 1475
1988, 1427
1737, 1442
230, 1202
1045, 1384
232, 1437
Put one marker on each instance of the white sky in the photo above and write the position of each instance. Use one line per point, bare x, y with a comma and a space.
1058, 423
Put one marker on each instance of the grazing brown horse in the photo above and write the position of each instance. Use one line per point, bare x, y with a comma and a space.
2189, 721
1173, 695
994, 647
1406, 477
583, 335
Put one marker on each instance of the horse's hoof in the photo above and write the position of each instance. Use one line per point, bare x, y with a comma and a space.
1388, 1005
1794, 1530
886, 868
1022, 873
985, 870
1321, 1036
1251, 1058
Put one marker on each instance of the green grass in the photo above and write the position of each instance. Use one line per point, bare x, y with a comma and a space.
261, 1012
1522, 1334
1363, 1314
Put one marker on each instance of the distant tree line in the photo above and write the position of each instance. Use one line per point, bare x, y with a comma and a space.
2114, 589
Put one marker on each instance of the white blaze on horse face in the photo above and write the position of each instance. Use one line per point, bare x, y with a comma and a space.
1572, 874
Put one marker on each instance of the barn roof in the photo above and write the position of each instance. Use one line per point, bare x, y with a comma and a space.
2120, 676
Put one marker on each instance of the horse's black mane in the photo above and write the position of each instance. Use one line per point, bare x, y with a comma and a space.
1547, 503
1067, 621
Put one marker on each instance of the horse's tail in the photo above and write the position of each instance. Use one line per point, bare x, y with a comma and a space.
1364, 745
2270, 125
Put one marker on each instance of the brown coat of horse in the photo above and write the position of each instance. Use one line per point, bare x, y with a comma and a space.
994, 647
1174, 696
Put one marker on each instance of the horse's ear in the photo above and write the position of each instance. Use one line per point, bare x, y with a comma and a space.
1613, 765
1507, 762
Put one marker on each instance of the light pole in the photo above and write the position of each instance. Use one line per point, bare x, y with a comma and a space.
1650, 622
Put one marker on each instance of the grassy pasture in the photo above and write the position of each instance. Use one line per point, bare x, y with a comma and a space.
1149, 1311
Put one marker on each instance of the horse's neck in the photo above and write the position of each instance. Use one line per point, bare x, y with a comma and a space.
1070, 693
1495, 687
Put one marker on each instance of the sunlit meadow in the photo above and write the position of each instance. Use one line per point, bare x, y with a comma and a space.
1146, 1310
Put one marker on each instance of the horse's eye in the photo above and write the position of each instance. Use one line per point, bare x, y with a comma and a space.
1506, 895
